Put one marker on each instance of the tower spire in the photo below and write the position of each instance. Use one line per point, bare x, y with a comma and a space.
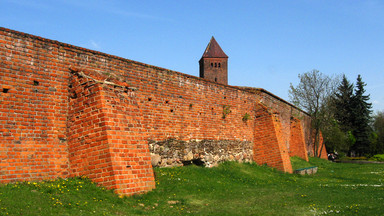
214, 50
214, 63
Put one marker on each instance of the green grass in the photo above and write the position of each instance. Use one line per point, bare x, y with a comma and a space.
298, 163
230, 189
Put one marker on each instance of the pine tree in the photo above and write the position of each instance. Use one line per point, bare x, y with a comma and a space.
337, 133
343, 105
361, 119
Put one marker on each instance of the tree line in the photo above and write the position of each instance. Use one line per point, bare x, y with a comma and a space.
341, 113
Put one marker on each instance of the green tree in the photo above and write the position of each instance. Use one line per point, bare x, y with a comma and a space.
378, 126
343, 102
339, 134
335, 139
361, 119
312, 95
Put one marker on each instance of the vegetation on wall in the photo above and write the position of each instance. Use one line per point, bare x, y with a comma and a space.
246, 117
226, 111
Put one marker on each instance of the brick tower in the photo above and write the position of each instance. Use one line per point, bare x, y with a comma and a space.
214, 63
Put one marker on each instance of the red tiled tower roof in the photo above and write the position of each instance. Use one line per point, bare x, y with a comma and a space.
214, 50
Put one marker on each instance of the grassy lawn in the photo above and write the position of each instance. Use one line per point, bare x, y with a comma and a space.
230, 189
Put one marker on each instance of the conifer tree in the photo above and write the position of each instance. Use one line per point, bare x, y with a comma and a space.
343, 105
361, 119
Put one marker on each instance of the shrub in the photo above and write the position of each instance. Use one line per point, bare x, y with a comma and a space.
378, 157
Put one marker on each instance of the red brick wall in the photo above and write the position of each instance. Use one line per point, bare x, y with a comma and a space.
33, 110
268, 147
285, 111
82, 117
88, 144
128, 143
185, 108
322, 150
107, 140
297, 142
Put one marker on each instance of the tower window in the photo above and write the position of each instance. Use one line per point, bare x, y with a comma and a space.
211, 64
219, 64
215, 64
215, 79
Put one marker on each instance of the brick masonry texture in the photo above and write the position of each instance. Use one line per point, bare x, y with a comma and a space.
297, 141
210, 70
68, 111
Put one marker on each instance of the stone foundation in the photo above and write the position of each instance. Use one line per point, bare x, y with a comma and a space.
209, 153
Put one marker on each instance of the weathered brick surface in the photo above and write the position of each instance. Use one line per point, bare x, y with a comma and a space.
268, 147
127, 138
33, 110
68, 111
214, 69
107, 140
88, 144
297, 142
285, 111
322, 151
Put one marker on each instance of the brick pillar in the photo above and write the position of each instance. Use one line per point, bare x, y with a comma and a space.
297, 145
322, 150
268, 145
128, 145
107, 143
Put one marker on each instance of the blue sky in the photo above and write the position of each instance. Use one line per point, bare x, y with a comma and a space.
268, 42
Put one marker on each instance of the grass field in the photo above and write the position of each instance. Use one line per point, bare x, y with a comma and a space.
230, 189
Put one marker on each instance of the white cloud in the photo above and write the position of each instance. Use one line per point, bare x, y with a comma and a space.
94, 45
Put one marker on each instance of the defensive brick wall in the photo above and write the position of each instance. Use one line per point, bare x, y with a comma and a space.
33, 107
290, 117
68, 111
